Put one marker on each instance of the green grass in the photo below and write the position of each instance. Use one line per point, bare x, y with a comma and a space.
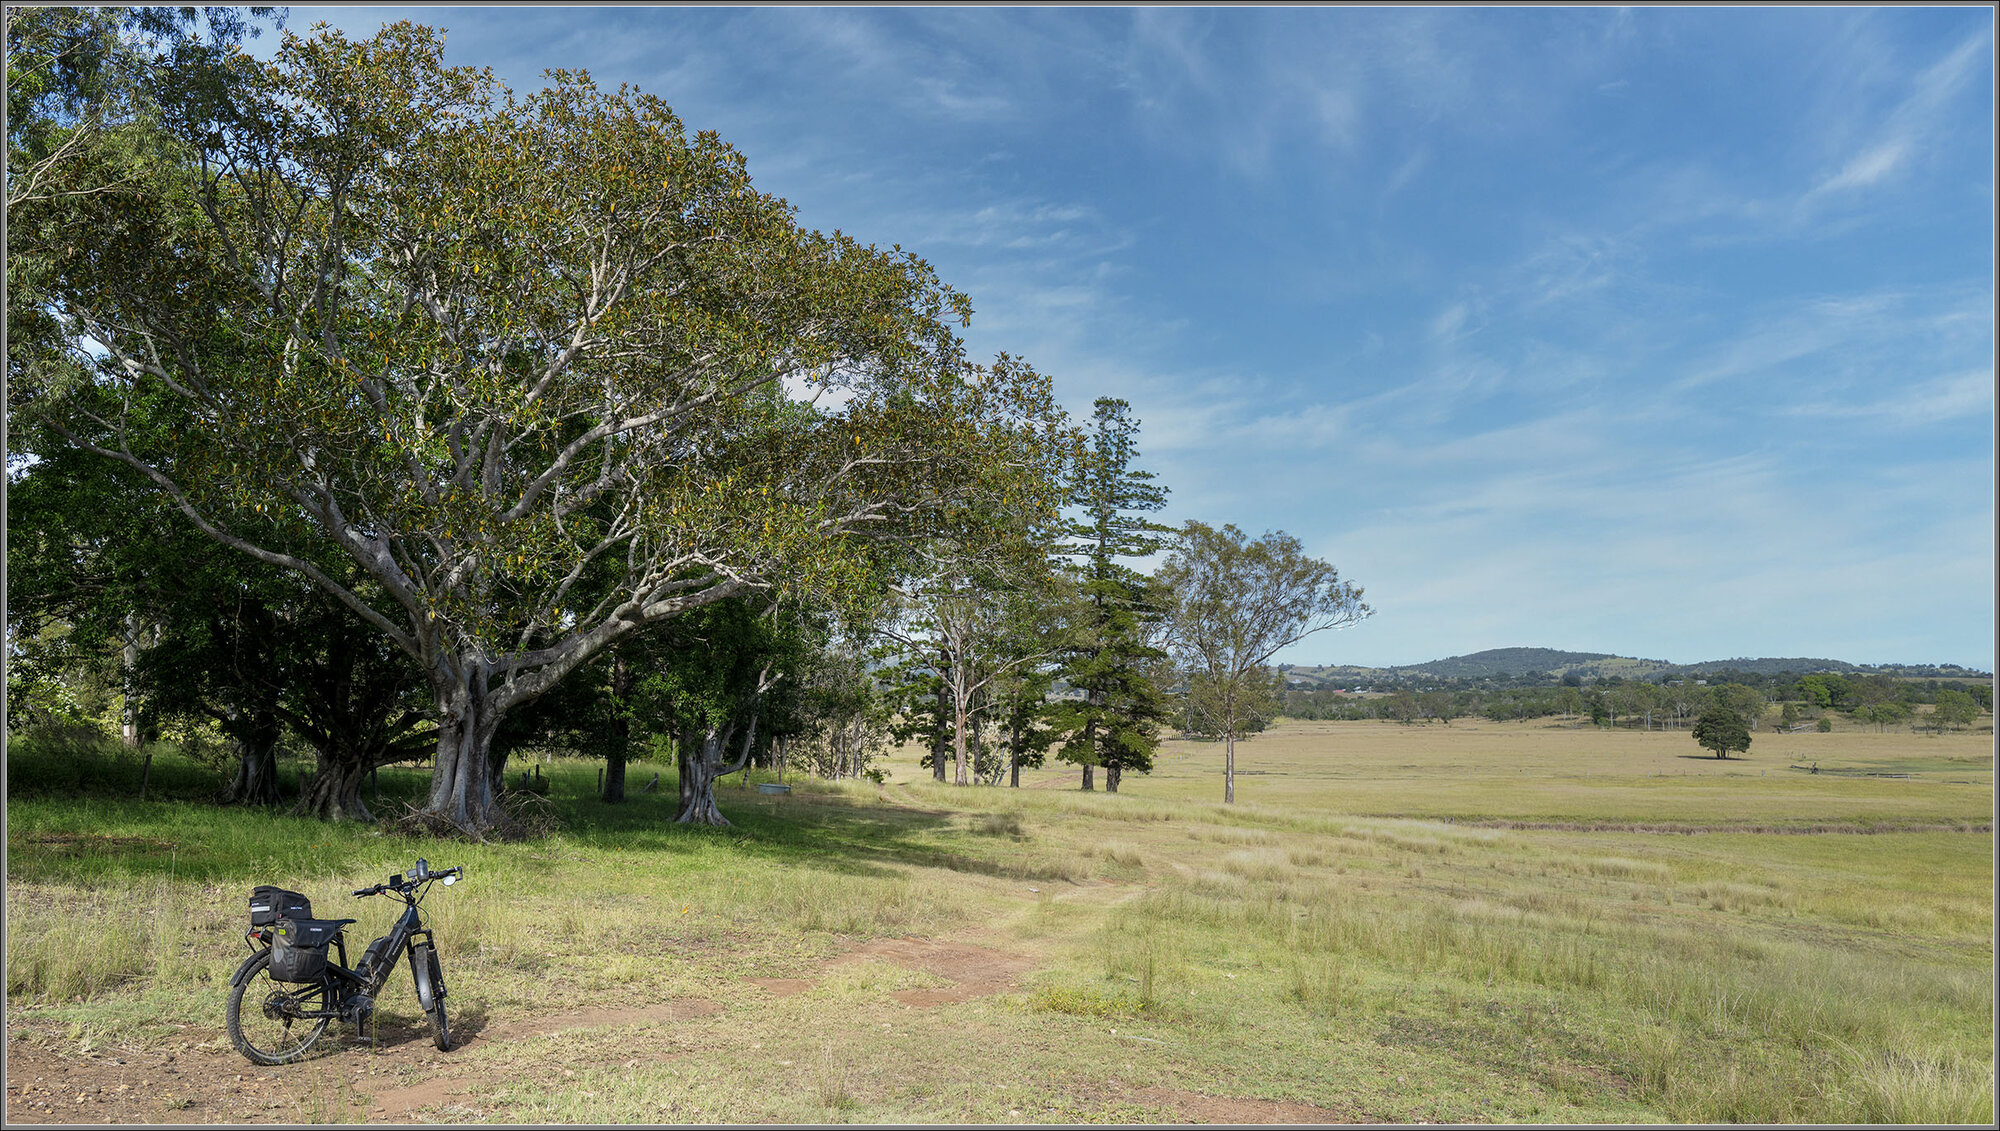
1330, 941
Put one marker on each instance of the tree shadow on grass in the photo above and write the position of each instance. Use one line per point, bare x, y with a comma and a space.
852, 836
79, 826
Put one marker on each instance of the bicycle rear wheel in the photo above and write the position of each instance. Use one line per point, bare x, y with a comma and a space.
266, 1017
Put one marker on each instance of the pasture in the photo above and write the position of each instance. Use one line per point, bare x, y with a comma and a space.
1476, 923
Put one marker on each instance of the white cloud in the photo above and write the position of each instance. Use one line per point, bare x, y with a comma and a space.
1867, 167
1449, 321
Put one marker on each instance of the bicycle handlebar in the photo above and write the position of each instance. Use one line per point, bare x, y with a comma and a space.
407, 884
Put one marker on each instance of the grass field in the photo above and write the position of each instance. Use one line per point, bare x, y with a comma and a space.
1474, 923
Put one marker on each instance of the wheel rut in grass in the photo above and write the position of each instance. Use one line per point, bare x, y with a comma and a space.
974, 971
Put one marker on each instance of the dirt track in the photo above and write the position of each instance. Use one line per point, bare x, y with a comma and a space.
198, 1078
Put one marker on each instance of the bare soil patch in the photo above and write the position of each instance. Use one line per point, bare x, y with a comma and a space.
978, 971
188, 1080
199, 1078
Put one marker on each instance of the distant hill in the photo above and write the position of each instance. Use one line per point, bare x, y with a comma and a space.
1551, 663
1507, 661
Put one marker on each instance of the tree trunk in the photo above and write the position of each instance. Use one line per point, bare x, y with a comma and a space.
129, 710
1111, 775
1090, 754
621, 732
700, 763
334, 793
938, 741
256, 781
1229, 767
958, 739
462, 779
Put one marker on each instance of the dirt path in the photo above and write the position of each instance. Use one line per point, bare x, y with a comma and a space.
199, 1078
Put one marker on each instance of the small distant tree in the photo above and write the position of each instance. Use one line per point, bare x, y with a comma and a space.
1722, 730
1883, 714
1437, 705
1235, 603
1400, 706
1955, 709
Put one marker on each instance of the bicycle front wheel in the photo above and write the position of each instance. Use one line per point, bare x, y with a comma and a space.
269, 1020
430, 993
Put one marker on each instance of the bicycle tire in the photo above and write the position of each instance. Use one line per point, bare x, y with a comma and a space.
274, 1036
424, 965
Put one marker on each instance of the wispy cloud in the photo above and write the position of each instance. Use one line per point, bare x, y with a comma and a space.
1921, 404
1918, 121
1808, 329
1550, 326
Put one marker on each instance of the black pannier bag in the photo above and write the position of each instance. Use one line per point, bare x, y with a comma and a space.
269, 904
298, 949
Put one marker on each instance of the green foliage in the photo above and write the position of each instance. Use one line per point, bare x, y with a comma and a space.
919, 707
1827, 690
1237, 601
521, 361
1721, 730
1205, 711
1110, 657
1955, 709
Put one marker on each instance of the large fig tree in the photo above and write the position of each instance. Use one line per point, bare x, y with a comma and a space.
545, 367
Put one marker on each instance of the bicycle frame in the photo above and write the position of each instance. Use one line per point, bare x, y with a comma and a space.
403, 938
340, 992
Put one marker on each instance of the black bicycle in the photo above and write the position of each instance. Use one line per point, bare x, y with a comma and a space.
284, 995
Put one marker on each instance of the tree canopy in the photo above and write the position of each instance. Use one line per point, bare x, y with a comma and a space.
540, 367
1236, 602
1110, 657
1721, 729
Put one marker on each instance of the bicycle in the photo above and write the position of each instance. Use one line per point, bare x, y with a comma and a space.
294, 991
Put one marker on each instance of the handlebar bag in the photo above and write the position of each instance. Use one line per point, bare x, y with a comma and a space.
298, 949
269, 904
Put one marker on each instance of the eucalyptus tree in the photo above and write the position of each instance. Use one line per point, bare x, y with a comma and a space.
1235, 602
846, 717
538, 366
970, 619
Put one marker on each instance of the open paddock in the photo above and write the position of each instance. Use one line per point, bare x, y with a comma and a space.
1474, 923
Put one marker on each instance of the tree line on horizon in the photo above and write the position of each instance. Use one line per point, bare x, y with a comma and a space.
367, 408
1781, 700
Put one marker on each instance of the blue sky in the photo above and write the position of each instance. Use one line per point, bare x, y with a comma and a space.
1666, 331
